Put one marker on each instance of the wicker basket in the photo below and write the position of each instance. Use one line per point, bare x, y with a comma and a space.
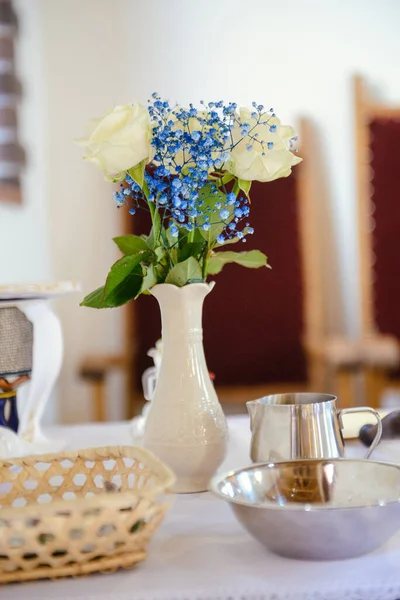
77, 512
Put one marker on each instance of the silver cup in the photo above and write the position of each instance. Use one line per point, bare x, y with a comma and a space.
302, 425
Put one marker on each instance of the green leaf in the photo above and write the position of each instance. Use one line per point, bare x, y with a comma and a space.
95, 299
172, 245
172, 241
191, 249
161, 272
244, 186
197, 237
131, 244
122, 272
209, 200
153, 239
149, 280
227, 178
253, 259
185, 272
160, 253
127, 289
137, 173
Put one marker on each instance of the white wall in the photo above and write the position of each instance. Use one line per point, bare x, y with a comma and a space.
84, 76
24, 254
297, 55
24, 229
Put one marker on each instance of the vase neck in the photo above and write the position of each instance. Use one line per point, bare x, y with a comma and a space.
181, 312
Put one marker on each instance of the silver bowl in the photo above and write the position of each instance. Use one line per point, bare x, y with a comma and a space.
315, 509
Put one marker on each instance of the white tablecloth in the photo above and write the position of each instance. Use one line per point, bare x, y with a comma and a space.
202, 553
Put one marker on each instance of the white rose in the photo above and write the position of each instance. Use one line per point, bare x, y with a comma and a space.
120, 140
264, 154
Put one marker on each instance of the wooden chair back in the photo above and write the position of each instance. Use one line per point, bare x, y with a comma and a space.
377, 136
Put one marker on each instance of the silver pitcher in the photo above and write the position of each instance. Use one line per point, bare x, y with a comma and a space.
302, 425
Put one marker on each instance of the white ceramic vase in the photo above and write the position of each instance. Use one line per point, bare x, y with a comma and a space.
185, 426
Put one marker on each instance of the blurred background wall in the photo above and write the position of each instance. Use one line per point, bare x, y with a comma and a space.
77, 58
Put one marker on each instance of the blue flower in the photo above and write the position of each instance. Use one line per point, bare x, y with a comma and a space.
119, 198
174, 231
176, 184
184, 160
220, 239
196, 136
176, 202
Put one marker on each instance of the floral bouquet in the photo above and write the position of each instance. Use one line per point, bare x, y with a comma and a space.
192, 170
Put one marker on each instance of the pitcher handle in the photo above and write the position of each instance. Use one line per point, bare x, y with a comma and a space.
149, 379
378, 435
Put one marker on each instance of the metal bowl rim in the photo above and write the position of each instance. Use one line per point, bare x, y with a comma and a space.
323, 398
298, 506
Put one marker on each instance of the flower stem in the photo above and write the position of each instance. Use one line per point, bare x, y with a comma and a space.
205, 262
191, 233
151, 205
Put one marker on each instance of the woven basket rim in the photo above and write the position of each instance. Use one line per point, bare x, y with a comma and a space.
99, 500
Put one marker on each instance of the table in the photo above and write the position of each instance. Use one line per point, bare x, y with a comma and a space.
202, 553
